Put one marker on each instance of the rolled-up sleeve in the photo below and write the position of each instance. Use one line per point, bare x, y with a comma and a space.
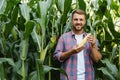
97, 44
59, 49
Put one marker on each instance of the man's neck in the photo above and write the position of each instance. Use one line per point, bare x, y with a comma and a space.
78, 32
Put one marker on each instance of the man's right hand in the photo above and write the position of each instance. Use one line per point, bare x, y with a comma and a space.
77, 49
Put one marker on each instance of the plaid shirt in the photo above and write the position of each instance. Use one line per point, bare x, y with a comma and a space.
65, 43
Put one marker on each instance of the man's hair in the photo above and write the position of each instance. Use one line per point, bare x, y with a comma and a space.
79, 11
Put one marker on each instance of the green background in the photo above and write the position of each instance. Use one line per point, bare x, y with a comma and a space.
29, 31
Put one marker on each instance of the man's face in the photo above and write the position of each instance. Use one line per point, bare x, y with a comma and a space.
78, 21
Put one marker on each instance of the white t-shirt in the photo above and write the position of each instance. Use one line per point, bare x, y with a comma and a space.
80, 60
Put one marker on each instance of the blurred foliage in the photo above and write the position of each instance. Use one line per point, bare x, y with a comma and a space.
30, 30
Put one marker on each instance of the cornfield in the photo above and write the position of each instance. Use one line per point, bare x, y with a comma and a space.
29, 31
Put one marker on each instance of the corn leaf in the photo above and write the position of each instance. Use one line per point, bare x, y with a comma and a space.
3, 4
40, 69
2, 76
25, 11
113, 69
9, 60
43, 54
82, 4
28, 29
12, 22
48, 68
36, 38
24, 49
33, 76
106, 72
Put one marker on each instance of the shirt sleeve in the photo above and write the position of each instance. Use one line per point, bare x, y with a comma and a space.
97, 44
59, 49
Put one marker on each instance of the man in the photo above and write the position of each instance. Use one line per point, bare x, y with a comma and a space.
76, 60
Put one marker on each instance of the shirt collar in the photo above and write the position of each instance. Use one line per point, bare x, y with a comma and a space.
73, 34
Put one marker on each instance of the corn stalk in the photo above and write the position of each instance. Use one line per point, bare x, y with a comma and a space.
2, 76
24, 50
119, 62
45, 21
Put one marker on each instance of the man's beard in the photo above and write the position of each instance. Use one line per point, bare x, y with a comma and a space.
76, 29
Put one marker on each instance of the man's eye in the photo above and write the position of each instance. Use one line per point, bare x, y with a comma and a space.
81, 19
75, 19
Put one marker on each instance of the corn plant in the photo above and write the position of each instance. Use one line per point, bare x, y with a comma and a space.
30, 30
102, 25
19, 29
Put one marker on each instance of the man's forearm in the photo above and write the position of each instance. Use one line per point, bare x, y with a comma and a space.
96, 55
66, 54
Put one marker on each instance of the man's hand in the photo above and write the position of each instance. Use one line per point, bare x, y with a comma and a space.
77, 49
91, 39
68, 53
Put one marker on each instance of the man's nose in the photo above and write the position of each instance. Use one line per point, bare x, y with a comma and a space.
78, 21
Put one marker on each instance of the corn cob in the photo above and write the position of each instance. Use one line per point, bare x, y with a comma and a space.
84, 40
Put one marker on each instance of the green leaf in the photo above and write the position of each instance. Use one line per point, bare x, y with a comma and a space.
1, 46
43, 8
60, 5
10, 61
12, 22
67, 27
107, 73
43, 54
107, 34
48, 68
33, 76
49, 3
18, 67
3, 4
113, 69
14, 14
67, 6
14, 33
114, 52
25, 11
111, 26
28, 29
2, 76
82, 5
9, 8
24, 49
114, 5
66, 9
40, 70
112, 29
36, 37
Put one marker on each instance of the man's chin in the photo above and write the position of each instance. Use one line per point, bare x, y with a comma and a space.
79, 29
